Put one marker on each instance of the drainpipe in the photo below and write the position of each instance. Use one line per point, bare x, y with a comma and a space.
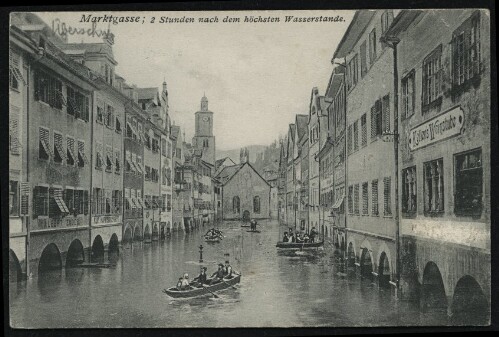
392, 42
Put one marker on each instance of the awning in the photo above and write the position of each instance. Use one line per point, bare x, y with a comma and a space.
337, 204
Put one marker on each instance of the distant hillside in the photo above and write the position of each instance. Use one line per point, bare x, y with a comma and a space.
234, 153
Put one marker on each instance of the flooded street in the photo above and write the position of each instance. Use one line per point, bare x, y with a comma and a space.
277, 289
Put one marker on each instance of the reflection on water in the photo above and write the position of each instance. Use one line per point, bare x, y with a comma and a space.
277, 289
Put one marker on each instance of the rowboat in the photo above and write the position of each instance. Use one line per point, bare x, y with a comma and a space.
202, 291
212, 239
299, 245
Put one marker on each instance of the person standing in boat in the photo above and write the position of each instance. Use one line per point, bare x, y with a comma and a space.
218, 275
227, 270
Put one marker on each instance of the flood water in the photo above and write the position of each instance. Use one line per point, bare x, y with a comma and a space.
276, 290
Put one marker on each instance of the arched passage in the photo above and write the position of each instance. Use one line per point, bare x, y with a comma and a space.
469, 304
76, 254
433, 290
98, 248
15, 271
155, 232
50, 259
137, 233
127, 237
366, 265
147, 234
351, 256
114, 244
384, 272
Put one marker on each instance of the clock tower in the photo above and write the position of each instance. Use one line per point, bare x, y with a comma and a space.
203, 137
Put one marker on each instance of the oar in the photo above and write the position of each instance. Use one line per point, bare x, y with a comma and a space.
214, 295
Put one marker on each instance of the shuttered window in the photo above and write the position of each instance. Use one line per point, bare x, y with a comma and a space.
387, 196
14, 130
374, 197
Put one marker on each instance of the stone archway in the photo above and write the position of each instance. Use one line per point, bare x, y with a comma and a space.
384, 272
50, 259
433, 294
15, 270
469, 304
76, 254
366, 265
98, 248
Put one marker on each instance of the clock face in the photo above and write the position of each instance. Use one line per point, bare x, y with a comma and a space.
206, 119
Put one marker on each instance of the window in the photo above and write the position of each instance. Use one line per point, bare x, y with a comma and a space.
365, 199
374, 197
77, 104
353, 72
118, 124
466, 50
100, 112
408, 94
386, 20
109, 159
372, 46
117, 166
98, 157
256, 204
469, 184
356, 199
14, 130
350, 134
236, 205
82, 158
40, 201
70, 151
363, 59
433, 186
387, 196
350, 199
58, 149
432, 77
110, 116
14, 198
409, 190
48, 90
363, 125
355, 135
15, 75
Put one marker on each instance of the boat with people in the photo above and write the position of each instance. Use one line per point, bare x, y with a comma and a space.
202, 290
299, 245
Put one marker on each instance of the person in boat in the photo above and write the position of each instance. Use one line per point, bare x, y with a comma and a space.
185, 282
202, 277
218, 275
285, 237
179, 283
227, 270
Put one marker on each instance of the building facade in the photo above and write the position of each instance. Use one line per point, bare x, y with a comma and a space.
445, 158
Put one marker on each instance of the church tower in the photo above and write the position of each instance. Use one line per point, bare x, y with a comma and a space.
203, 137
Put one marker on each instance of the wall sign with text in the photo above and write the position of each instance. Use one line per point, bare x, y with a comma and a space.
446, 125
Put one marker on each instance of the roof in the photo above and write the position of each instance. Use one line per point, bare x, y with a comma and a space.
227, 173
301, 125
90, 48
354, 31
402, 21
147, 93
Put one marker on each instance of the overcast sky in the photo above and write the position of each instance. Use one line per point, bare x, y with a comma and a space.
256, 76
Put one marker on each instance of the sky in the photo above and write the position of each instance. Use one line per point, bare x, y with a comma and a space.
257, 76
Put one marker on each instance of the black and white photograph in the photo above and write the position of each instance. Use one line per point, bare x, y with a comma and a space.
249, 168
